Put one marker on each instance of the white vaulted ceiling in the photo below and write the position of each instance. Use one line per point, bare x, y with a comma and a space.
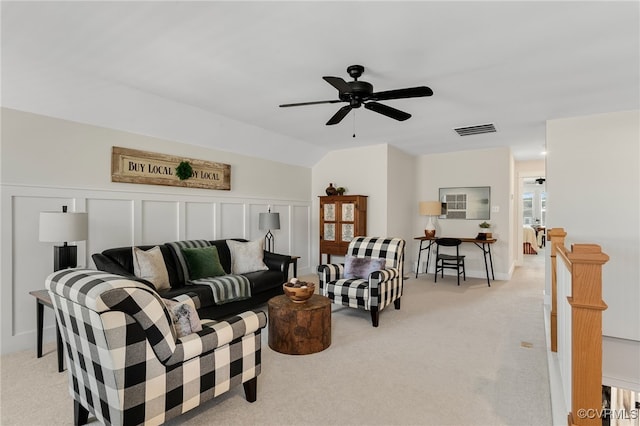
183, 70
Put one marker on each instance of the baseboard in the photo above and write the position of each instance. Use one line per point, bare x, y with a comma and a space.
559, 410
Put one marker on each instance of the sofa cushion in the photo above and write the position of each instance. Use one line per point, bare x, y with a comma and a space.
247, 257
178, 258
223, 254
203, 262
149, 265
119, 261
361, 267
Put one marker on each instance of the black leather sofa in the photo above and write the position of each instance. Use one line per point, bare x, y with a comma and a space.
264, 284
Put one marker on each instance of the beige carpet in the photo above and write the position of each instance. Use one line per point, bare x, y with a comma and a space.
468, 355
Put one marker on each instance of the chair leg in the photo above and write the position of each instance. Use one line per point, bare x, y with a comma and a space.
80, 414
251, 389
375, 316
396, 303
458, 271
464, 271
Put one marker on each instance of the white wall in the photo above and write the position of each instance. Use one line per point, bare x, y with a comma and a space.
383, 173
491, 168
48, 162
593, 183
401, 196
395, 182
362, 171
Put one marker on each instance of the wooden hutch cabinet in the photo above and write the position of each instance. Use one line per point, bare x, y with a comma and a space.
342, 217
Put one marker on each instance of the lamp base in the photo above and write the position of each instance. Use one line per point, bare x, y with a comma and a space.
430, 233
65, 257
269, 242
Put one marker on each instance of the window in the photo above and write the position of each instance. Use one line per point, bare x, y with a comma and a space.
527, 208
456, 206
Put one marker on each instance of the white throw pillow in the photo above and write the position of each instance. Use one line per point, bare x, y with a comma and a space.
246, 257
149, 265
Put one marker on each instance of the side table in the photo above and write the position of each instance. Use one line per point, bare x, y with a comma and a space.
299, 328
42, 300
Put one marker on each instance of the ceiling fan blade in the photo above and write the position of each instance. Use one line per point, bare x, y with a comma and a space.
311, 103
338, 116
338, 83
412, 92
396, 114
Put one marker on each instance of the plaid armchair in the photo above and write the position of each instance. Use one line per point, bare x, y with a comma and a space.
126, 365
375, 291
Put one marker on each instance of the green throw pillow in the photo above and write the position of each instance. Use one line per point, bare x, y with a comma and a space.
203, 262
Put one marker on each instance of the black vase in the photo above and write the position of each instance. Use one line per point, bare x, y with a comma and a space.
331, 190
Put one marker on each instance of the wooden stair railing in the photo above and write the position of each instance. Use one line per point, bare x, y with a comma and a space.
584, 262
556, 237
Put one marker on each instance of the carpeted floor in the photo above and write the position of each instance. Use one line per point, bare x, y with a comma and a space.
468, 355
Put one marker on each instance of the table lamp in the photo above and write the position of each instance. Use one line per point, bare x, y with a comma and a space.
430, 209
269, 221
59, 227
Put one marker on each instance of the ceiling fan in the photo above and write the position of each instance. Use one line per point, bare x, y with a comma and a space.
357, 93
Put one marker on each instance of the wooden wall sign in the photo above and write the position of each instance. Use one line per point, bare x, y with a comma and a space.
135, 166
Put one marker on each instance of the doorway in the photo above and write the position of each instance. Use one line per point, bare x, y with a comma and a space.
534, 202
530, 213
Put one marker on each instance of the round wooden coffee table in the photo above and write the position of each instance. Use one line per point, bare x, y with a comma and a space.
299, 328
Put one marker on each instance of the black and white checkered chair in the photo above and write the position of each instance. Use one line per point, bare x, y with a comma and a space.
377, 290
126, 365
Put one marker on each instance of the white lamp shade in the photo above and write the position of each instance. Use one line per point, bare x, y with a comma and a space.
62, 227
430, 208
269, 221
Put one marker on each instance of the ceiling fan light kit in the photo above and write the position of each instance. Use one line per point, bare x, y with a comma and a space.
357, 93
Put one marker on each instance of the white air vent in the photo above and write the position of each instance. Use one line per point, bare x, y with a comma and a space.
475, 130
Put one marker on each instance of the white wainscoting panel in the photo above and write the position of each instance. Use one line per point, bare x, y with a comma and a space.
32, 259
200, 221
253, 219
232, 220
160, 222
110, 224
117, 219
301, 237
281, 236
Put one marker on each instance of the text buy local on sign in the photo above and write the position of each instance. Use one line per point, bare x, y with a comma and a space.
164, 168
134, 166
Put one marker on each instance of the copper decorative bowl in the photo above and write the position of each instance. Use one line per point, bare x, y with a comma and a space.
299, 291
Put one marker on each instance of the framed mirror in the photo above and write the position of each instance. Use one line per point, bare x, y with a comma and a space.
471, 203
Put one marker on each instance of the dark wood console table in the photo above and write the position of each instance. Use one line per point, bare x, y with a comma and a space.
42, 300
484, 245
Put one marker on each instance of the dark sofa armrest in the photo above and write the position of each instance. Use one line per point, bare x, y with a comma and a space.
106, 264
277, 262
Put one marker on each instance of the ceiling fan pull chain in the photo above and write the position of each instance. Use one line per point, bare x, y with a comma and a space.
354, 124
